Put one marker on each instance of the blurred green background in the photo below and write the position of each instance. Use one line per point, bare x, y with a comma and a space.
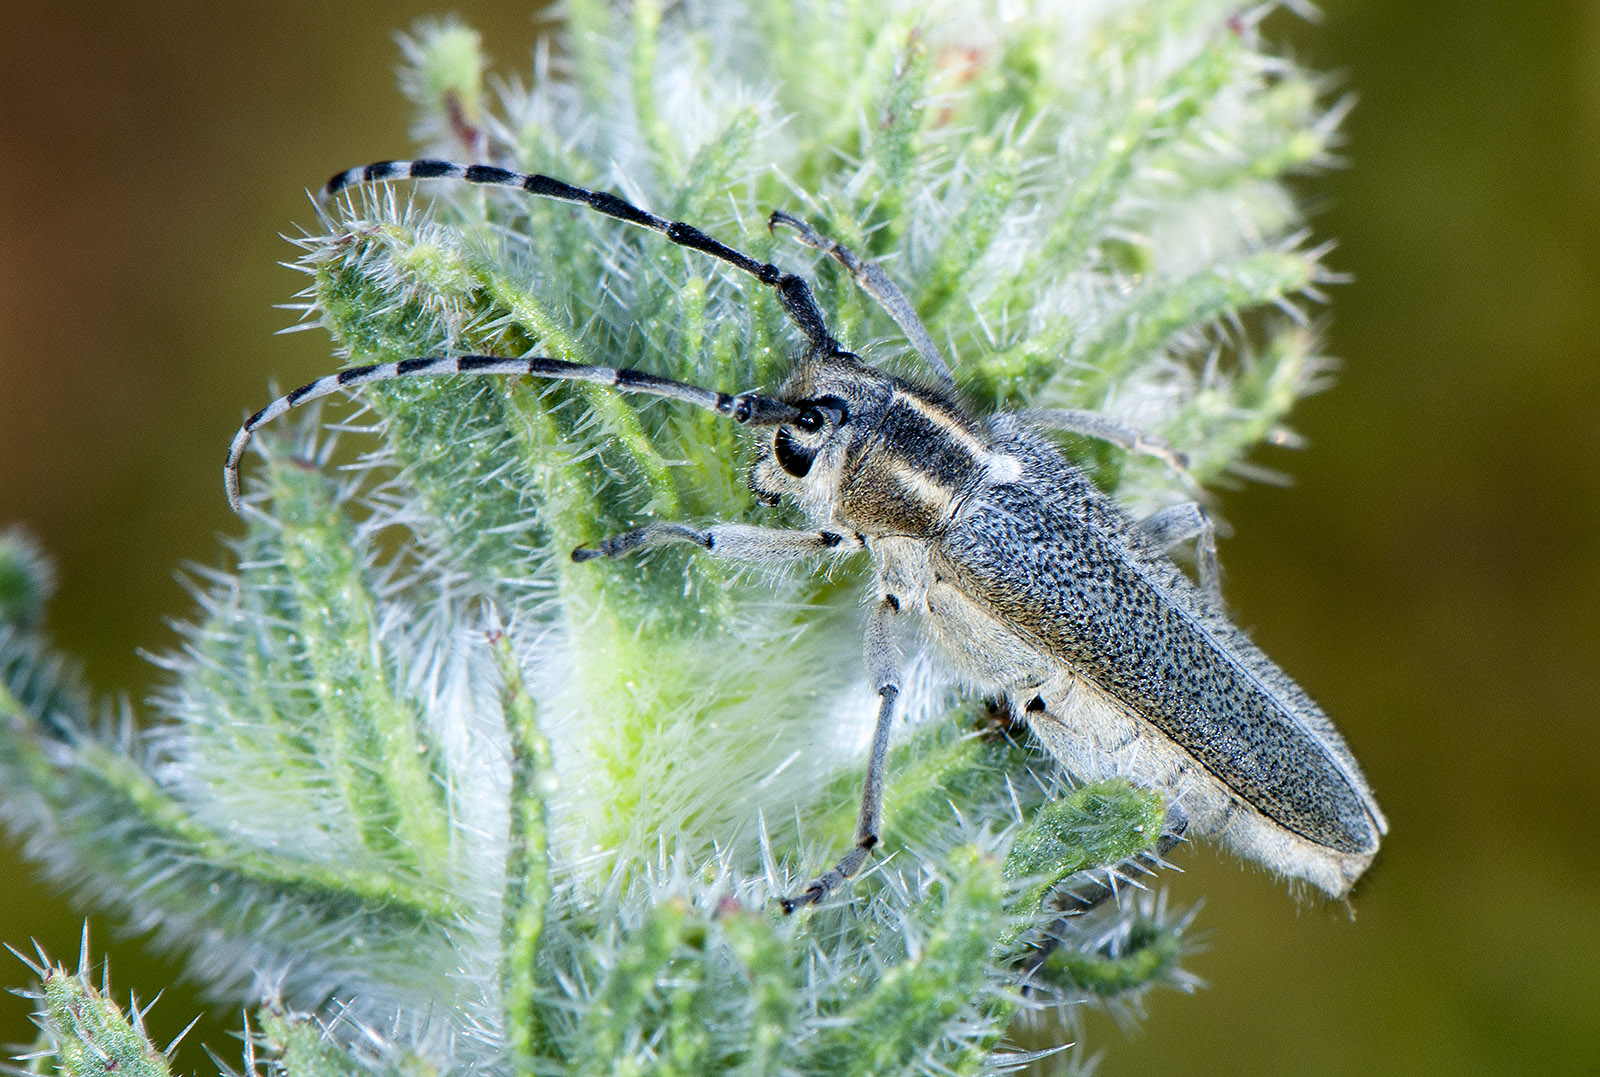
1432, 576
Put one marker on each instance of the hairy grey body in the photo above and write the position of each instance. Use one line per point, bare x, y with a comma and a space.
1034, 585
1041, 589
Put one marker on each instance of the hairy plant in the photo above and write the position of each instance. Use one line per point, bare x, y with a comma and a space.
434, 797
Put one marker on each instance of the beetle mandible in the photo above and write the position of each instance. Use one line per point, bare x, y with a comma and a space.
1032, 584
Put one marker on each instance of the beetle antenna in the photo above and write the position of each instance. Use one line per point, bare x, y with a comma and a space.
746, 409
793, 292
870, 278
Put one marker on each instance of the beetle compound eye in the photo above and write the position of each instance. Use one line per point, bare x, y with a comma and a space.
791, 457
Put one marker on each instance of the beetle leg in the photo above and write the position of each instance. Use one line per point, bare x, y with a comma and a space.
1102, 427
870, 278
738, 542
883, 666
1179, 523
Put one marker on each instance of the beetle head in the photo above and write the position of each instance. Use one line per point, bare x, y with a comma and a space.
840, 401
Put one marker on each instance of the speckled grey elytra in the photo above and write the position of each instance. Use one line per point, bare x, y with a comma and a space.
1032, 584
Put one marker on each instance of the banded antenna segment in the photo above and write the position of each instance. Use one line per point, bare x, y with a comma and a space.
747, 409
792, 291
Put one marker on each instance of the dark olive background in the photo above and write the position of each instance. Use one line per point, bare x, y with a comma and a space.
1432, 575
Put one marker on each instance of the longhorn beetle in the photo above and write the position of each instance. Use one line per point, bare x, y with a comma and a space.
1032, 584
